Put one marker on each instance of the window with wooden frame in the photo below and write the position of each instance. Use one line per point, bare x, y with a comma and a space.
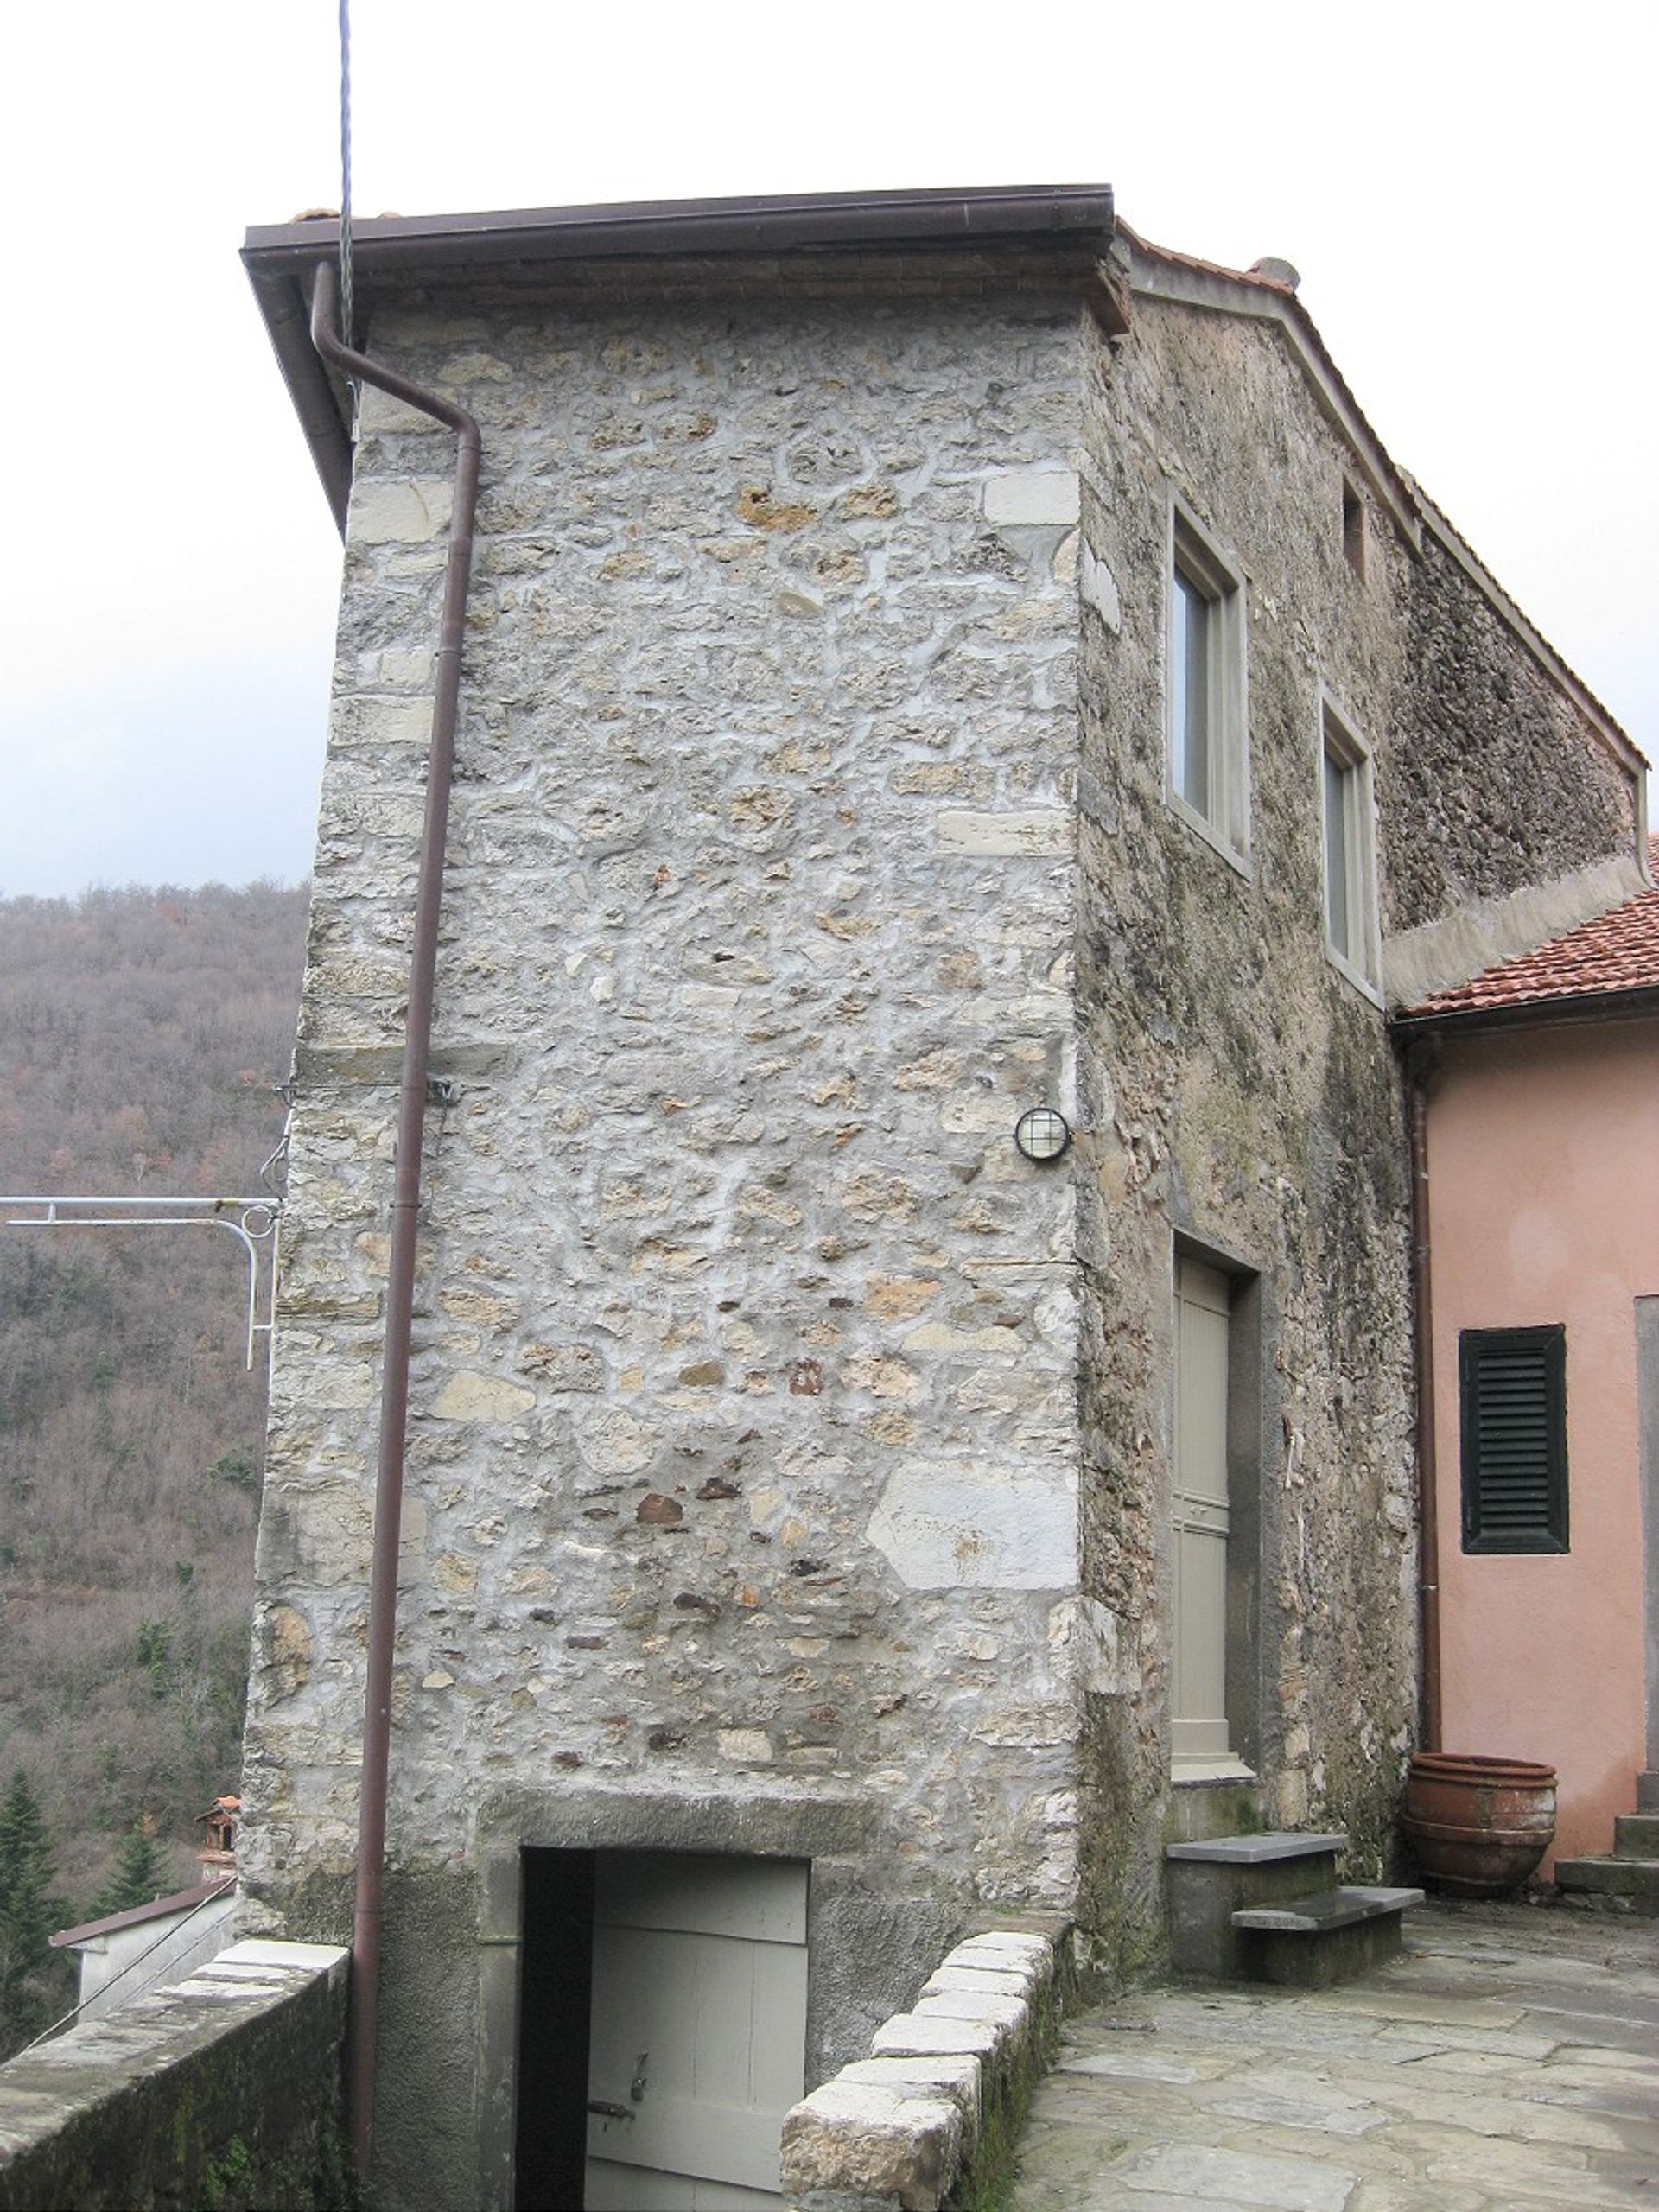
1350, 929
1207, 778
1512, 1389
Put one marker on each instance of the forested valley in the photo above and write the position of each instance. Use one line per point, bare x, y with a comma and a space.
143, 1035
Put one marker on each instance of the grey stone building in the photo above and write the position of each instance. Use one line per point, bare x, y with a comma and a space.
928, 657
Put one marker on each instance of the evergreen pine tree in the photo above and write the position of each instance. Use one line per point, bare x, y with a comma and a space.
28, 1913
141, 1873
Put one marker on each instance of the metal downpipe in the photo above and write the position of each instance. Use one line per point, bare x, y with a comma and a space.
1419, 1066
364, 2018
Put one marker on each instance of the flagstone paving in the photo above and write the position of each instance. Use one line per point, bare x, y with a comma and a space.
1507, 2061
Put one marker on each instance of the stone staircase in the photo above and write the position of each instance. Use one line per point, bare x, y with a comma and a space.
1625, 1880
1269, 1907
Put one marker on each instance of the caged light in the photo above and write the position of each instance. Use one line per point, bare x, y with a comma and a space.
1042, 1134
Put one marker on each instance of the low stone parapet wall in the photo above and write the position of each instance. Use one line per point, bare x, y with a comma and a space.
223, 2091
930, 2118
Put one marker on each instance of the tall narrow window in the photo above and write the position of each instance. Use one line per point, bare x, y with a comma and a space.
1512, 1386
1353, 528
1349, 852
1189, 677
1207, 754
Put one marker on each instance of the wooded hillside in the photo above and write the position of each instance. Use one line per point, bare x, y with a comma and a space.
142, 1036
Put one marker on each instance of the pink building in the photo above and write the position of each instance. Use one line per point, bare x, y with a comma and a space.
1543, 1083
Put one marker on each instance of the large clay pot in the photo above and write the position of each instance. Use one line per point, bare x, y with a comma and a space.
1478, 1827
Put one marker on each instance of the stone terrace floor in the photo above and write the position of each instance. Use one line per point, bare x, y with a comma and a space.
1508, 2059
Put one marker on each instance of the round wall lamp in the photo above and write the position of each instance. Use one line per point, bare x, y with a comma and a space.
1042, 1134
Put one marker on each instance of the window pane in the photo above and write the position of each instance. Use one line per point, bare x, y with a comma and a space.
1339, 859
1190, 694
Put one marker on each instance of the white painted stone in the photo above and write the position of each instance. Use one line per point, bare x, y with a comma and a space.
858, 2138
1032, 498
921, 2035
613, 1442
398, 510
991, 2009
1090, 1641
956, 2076
745, 1747
405, 668
381, 416
979, 1982
295, 1958
969, 1526
391, 724
1038, 833
468, 1396
1097, 587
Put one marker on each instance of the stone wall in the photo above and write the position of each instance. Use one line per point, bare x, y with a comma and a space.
743, 1455
1240, 1092
789, 1462
223, 2090
1243, 1105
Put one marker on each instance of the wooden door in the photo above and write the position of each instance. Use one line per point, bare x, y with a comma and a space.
698, 2039
1198, 1688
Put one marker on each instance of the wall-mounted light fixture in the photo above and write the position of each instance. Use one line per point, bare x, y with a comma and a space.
1042, 1134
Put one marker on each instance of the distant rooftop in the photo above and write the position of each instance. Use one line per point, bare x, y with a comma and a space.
135, 1916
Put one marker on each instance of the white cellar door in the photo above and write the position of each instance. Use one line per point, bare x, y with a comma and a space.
698, 2044
1198, 1694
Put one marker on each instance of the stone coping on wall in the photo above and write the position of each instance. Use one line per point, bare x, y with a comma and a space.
229, 2074
933, 2110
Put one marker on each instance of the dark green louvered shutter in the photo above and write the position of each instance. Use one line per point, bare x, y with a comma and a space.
1514, 1394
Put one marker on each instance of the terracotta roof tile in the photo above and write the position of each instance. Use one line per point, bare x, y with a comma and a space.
1616, 951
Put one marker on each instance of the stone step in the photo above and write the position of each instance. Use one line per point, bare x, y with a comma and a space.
1313, 1943
1627, 1884
1209, 1881
1635, 1835
1647, 1791
1270, 1849
1328, 1909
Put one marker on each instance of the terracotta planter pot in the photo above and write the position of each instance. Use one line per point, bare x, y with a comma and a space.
1477, 1827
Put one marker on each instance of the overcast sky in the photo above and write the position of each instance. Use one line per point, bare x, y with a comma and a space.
1468, 190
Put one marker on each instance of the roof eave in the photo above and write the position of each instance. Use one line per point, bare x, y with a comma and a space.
1570, 1007
653, 229
281, 259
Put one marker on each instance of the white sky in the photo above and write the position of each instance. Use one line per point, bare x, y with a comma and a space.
1466, 187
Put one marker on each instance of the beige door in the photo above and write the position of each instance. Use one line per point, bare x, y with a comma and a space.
1199, 1691
698, 2042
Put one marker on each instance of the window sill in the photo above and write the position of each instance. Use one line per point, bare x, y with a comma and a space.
1205, 829
1361, 981
1184, 1772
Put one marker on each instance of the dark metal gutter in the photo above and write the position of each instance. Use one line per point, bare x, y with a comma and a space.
282, 259
1572, 1008
362, 2026
652, 228
1420, 1061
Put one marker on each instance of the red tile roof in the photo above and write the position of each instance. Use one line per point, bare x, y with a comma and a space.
1618, 951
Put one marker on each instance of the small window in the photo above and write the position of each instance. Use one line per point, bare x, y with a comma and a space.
1350, 853
1353, 528
1207, 763
1512, 1384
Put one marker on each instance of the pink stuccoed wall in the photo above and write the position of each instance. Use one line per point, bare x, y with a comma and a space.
1544, 1207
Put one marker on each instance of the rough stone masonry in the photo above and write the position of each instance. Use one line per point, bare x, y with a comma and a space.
790, 1458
